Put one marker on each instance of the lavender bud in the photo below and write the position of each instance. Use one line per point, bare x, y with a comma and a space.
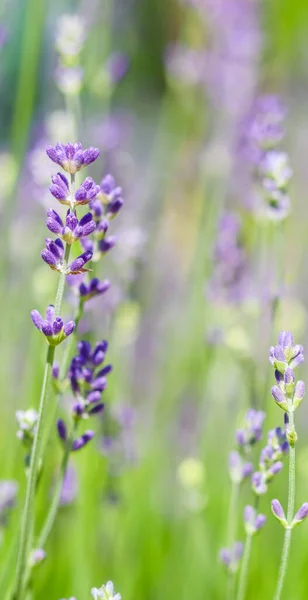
260, 522
301, 514
77, 266
298, 393
36, 557
69, 327
289, 381
62, 429
278, 512
279, 397
82, 440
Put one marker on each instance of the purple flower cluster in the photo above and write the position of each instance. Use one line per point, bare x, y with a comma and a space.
252, 430
73, 229
273, 172
270, 462
88, 380
53, 255
52, 327
72, 157
60, 189
238, 468
230, 280
287, 393
104, 207
231, 557
279, 513
253, 522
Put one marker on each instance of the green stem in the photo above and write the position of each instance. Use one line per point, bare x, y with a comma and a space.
244, 569
290, 513
50, 519
27, 517
231, 533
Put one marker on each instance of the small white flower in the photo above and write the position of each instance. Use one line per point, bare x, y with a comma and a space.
106, 592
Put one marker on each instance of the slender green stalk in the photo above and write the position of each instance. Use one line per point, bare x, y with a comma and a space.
26, 532
290, 514
231, 533
27, 517
50, 519
244, 568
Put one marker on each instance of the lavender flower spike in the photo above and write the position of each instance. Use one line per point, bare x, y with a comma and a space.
301, 514
52, 327
72, 157
278, 512
106, 592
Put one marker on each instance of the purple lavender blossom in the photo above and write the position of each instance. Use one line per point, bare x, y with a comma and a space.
285, 357
286, 354
88, 380
270, 462
82, 441
8, 493
252, 431
231, 557
52, 327
93, 288
86, 193
278, 512
238, 468
69, 487
53, 256
73, 229
111, 195
78, 265
253, 521
72, 157
230, 280
301, 514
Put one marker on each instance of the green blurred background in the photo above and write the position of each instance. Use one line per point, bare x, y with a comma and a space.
151, 514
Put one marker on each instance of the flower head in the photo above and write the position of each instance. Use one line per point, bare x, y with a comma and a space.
52, 327
270, 462
86, 193
253, 521
53, 255
231, 557
93, 288
252, 431
72, 157
73, 229
238, 468
106, 592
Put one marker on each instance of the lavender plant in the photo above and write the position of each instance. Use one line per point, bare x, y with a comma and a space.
87, 380
239, 470
288, 395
